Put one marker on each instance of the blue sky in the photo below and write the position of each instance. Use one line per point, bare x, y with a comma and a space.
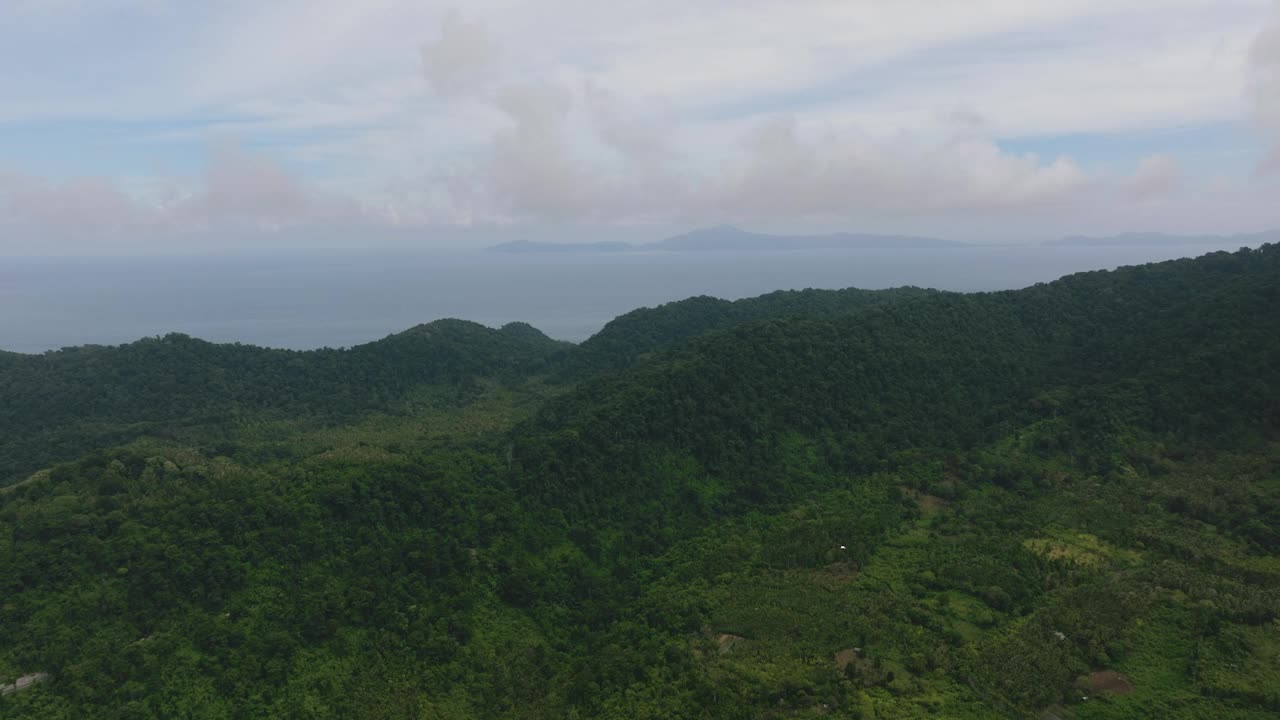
150, 125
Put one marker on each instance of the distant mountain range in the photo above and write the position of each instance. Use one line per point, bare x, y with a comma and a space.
1161, 239
724, 238
729, 238
529, 246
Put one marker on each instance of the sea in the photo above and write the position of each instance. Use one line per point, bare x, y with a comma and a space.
339, 299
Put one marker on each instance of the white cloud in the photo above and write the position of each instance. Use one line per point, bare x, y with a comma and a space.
250, 190
540, 169
461, 57
531, 166
642, 134
77, 204
239, 191
1264, 59
784, 172
1156, 176
1270, 162
408, 112
574, 152
885, 55
692, 56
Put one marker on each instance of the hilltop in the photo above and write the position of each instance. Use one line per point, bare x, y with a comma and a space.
1060, 500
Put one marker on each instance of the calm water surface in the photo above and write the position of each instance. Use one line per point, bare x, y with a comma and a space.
342, 299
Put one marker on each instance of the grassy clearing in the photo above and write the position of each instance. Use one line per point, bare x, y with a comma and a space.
1082, 549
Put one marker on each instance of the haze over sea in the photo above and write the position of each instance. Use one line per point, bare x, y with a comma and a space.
315, 299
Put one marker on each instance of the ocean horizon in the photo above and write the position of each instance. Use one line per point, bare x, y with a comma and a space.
339, 299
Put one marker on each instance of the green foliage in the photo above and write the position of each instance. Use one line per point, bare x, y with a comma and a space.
640, 333
63, 403
863, 505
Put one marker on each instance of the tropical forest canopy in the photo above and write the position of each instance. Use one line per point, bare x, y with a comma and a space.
1058, 501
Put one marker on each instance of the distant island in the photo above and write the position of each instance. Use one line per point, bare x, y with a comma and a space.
528, 246
729, 238
1162, 239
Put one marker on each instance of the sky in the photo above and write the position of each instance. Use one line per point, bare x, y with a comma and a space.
153, 126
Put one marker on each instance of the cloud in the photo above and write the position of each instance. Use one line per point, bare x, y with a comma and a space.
574, 156
1264, 65
1270, 163
1156, 176
461, 59
543, 168
412, 114
240, 191
843, 174
1027, 67
576, 150
245, 189
531, 168
642, 134
1264, 60
76, 204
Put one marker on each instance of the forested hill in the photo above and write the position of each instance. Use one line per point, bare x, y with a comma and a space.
640, 332
1187, 349
1061, 501
63, 403
59, 404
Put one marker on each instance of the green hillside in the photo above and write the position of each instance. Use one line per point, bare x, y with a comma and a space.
1062, 501
63, 403
642, 332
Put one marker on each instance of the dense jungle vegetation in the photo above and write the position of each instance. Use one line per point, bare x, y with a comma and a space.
1061, 501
